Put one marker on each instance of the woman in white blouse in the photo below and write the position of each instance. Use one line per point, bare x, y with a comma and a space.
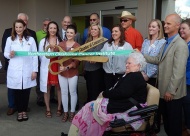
151, 46
115, 67
21, 73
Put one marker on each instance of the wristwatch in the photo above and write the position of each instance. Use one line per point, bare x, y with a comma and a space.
67, 67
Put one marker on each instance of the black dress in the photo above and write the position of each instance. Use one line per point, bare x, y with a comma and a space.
129, 85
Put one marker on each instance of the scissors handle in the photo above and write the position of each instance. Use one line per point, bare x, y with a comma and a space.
53, 72
56, 46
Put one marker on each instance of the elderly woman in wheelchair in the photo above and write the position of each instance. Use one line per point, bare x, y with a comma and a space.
124, 106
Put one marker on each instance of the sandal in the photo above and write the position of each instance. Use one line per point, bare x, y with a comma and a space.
19, 117
65, 116
59, 113
71, 116
24, 116
48, 114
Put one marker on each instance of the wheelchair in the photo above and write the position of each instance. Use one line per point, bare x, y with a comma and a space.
119, 127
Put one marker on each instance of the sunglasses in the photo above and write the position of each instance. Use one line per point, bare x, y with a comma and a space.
122, 20
92, 19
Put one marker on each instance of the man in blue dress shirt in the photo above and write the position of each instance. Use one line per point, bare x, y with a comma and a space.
95, 19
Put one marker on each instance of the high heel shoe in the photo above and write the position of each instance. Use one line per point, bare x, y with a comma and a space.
71, 116
65, 116
59, 113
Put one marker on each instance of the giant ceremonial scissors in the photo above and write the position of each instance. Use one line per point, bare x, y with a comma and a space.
82, 48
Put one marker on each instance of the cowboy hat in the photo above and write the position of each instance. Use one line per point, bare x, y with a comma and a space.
127, 14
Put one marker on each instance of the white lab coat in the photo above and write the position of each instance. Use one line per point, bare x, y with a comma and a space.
44, 62
20, 68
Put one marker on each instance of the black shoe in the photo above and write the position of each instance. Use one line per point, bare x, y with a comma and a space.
63, 134
11, 111
40, 103
53, 101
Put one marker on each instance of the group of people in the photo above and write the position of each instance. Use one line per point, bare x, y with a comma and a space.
167, 69
122, 77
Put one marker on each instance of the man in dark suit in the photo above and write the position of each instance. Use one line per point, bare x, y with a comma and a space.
7, 33
62, 32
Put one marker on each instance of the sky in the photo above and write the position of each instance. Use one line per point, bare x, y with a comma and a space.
183, 8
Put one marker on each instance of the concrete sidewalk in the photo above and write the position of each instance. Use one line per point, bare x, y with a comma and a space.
38, 124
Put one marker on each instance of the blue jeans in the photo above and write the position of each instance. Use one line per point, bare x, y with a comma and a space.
186, 107
11, 98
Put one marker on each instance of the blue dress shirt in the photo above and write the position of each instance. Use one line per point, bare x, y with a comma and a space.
168, 41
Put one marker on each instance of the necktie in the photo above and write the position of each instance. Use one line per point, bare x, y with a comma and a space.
65, 37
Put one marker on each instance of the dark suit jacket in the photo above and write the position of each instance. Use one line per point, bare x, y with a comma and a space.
6, 34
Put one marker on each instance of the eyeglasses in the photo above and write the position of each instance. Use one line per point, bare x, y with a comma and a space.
122, 20
92, 19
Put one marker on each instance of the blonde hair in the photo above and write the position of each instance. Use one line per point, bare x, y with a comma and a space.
160, 32
90, 38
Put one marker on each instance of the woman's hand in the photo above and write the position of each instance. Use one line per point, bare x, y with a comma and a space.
62, 68
34, 75
146, 78
12, 54
137, 50
52, 47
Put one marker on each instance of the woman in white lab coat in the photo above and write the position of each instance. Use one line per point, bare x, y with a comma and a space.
21, 73
46, 78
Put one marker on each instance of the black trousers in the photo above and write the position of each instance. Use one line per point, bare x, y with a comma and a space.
172, 116
22, 99
111, 79
94, 83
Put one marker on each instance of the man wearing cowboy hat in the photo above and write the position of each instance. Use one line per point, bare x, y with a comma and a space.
132, 35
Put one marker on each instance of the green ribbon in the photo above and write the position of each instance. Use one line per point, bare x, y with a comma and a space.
105, 53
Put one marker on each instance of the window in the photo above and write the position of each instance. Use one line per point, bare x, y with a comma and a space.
182, 7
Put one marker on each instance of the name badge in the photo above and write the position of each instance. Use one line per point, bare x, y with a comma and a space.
121, 48
153, 46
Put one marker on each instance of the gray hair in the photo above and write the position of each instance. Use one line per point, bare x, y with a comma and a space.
139, 59
23, 14
47, 19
